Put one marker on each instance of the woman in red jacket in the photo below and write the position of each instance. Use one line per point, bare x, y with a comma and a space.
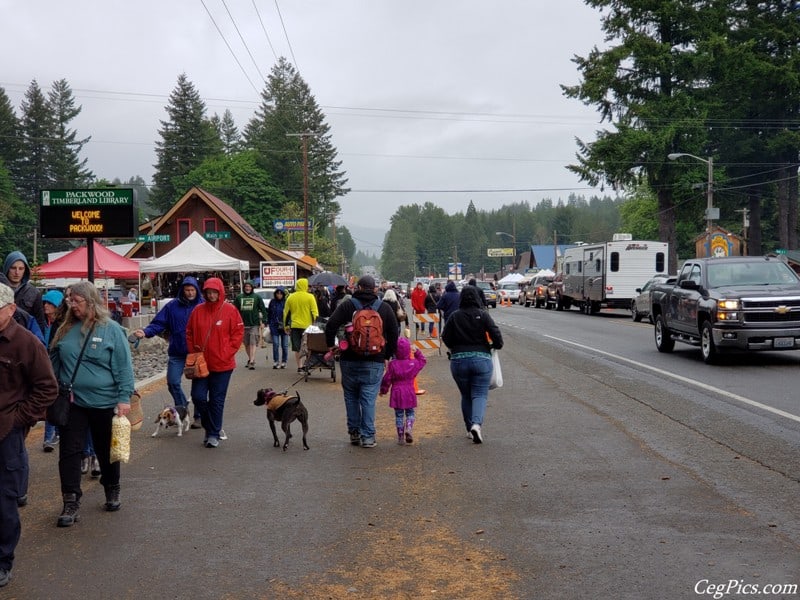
216, 328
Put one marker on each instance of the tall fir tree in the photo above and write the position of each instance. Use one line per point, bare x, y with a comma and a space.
67, 169
36, 124
187, 138
227, 131
288, 107
10, 140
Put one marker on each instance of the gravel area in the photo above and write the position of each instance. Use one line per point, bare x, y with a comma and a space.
149, 358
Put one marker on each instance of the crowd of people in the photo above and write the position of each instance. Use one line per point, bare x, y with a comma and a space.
79, 344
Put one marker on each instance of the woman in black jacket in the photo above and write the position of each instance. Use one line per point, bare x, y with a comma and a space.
470, 334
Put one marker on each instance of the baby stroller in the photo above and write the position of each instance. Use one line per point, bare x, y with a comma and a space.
314, 348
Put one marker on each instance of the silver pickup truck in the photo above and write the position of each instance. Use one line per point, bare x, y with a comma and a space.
741, 303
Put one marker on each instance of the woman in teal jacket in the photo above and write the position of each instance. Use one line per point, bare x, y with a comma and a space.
102, 386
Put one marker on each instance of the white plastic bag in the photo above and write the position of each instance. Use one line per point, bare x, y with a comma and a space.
497, 373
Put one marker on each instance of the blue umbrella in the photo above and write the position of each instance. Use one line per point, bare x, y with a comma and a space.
327, 278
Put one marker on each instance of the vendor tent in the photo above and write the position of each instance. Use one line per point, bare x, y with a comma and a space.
512, 278
193, 254
107, 264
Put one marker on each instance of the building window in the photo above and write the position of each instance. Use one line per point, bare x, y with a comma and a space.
184, 229
209, 225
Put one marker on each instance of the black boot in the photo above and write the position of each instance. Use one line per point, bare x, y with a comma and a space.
112, 498
69, 516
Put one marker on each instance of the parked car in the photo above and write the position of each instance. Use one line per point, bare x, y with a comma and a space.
509, 291
640, 305
536, 293
489, 293
266, 294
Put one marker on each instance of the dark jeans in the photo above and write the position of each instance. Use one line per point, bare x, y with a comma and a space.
97, 421
13, 476
208, 395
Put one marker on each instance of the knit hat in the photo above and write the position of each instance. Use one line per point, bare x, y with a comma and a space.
53, 297
6, 295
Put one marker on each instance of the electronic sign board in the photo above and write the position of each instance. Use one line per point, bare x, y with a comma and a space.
86, 213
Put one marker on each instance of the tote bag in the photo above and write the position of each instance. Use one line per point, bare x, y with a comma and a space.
497, 373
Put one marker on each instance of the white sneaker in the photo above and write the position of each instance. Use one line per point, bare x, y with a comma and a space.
475, 432
223, 435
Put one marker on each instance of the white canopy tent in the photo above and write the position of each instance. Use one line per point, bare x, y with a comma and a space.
194, 254
512, 278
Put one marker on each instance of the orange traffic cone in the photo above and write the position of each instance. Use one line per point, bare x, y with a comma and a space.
434, 331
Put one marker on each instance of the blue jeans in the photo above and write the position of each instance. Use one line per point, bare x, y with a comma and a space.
13, 474
174, 375
208, 395
361, 382
472, 376
50, 431
280, 341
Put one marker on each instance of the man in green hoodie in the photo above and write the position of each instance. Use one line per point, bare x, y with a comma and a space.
251, 306
299, 313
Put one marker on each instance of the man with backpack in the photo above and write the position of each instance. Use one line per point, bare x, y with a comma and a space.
372, 340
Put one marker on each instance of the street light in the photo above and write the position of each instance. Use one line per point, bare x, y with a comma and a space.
709, 193
513, 249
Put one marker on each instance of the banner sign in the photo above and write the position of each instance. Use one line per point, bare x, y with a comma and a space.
280, 225
495, 252
86, 213
278, 273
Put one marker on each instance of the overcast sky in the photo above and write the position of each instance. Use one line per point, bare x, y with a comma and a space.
441, 101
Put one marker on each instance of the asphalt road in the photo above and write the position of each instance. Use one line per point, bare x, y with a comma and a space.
584, 488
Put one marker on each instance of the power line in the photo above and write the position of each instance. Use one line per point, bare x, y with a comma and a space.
264, 29
286, 35
210, 16
244, 43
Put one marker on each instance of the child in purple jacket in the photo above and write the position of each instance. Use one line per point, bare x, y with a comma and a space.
399, 377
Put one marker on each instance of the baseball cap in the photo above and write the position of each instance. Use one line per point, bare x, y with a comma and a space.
367, 282
6, 295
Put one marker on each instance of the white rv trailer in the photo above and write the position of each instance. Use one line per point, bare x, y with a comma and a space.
607, 274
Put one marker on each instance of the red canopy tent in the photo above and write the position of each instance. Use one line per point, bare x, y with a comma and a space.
107, 263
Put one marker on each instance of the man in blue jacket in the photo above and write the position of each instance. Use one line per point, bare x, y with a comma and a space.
173, 319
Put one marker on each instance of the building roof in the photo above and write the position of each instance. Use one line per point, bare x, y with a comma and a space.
238, 226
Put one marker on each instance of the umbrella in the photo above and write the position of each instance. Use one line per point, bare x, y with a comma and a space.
327, 278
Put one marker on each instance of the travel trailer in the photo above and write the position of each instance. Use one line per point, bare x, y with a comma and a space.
607, 274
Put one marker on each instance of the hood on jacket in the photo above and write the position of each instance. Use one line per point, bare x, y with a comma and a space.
14, 257
53, 297
470, 298
431, 289
403, 347
451, 286
280, 289
215, 283
301, 285
189, 280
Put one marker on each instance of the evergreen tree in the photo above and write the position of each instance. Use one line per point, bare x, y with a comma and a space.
66, 168
649, 84
187, 139
227, 132
10, 142
288, 107
18, 220
36, 124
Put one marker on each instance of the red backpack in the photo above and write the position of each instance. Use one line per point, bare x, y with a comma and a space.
367, 339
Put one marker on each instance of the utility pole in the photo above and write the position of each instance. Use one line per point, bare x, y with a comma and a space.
304, 139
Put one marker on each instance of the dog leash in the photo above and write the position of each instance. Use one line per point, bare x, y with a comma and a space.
299, 380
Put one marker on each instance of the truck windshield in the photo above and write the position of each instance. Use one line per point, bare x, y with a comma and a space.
763, 273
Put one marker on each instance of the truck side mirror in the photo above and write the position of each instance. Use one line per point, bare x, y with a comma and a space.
689, 284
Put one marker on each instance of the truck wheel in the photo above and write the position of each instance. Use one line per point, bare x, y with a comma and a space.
634, 314
707, 346
664, 341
